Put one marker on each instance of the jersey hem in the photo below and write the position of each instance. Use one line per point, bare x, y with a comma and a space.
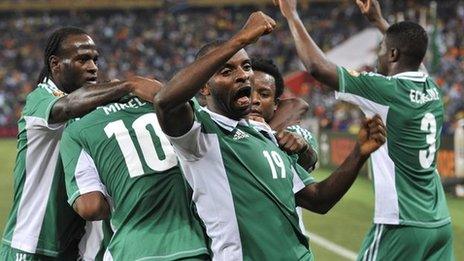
40, 251
412, 223
182, 254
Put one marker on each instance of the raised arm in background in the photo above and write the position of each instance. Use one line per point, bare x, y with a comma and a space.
371, 10
311, 55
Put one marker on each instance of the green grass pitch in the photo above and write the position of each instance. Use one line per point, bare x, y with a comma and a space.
345, 225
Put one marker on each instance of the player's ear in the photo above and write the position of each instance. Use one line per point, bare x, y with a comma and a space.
54, 63
276, 104
394, 55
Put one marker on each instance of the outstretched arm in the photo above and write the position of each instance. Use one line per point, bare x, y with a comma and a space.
174, 113
321, 197
311, 55
89, 97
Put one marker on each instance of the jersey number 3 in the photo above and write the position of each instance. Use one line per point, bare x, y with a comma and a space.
159, 160
428, 124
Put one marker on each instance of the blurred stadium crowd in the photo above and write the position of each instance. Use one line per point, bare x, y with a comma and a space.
156, 43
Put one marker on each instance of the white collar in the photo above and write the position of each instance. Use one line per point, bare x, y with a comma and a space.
52, 88
415, 76
225, 122
264, 127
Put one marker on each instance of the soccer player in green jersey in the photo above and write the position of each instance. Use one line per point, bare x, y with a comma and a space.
41, 226
411, 219
119, 152
268, 86
243, 185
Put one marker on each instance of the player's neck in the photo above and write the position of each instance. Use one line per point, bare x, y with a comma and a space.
398, 68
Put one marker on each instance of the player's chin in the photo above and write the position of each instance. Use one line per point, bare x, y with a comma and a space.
241, 111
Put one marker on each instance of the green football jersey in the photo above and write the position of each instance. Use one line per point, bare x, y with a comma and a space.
407, 185
120, 150
40, 220
243, 188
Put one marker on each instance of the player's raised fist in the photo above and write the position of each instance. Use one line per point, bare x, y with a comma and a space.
287, 7
257, 25
372, 135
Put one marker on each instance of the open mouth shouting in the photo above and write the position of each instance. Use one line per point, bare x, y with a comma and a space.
91, 80
243, 97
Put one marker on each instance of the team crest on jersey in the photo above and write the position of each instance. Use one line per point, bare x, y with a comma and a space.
58, 93
240, 135
353, 72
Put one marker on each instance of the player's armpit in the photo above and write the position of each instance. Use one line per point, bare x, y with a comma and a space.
92, 206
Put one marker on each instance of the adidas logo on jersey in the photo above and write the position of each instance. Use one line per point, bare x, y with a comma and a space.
240, 135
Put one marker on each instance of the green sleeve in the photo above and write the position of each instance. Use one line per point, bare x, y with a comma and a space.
365, 89
39, 103
302, 178
81, 175
70, 151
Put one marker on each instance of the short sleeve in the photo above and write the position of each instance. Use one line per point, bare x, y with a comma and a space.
39, 104
301, 178
81, 175
192, 145
371, 91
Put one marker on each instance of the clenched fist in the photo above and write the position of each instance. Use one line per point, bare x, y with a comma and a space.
291, 142
372, 135
257, 25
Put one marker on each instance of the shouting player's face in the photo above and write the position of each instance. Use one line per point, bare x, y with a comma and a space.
76, 64
263, 97
230, 87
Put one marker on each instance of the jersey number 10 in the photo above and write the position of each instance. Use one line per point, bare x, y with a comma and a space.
157, 160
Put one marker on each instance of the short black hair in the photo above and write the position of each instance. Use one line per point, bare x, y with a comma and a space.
267, 66
410, 39
208, 47
53, 47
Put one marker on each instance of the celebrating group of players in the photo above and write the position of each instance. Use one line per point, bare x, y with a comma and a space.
220, 176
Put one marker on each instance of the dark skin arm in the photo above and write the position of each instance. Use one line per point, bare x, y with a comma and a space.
174, 113
321, 197
89, 97
92, 206
310, 54
371, 10
293, 143
307, 158
289, 112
